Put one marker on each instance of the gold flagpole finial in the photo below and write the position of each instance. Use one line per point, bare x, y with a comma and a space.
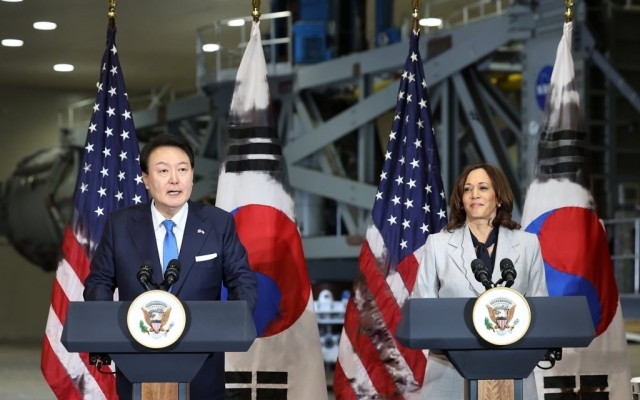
415, 14
256, 10
111, 15
568, 14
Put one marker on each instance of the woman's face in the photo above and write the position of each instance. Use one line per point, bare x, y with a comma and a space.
478, 196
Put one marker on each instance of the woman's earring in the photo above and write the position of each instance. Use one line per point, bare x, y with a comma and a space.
499, 205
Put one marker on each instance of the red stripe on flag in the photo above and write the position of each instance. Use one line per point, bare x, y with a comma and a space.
75, 255
341, 387
59, 302
56, 375
52, 368
107, 382
408, 270
389, 308
367, 353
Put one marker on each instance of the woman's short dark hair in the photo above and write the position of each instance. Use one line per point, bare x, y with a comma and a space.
165, 140
504, 197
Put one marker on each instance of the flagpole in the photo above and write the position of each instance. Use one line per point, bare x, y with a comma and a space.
416, 14
256, 10
568, 14
111, 15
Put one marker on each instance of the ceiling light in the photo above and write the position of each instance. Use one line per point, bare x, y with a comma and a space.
12, 1
44, 26
431, 22
210, 47
12, 42
236, 22
63, 67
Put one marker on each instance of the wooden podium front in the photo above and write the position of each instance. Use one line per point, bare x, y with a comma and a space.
495, 389
162, 391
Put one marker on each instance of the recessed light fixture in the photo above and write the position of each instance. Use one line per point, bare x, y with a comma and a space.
236, 22
210, 47
12, 1
431, 22
44, 26
12, 42
63, 67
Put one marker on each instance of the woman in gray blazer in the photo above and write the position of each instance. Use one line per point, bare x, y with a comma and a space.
480, 227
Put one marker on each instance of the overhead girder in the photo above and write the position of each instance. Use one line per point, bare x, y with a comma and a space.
464, 102
469, 44
313, 163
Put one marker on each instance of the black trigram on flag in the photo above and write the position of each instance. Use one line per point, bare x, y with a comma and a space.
266, 385
253, 149
592, 387
562, 154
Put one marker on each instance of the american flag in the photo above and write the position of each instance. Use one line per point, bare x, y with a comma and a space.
409, 205
109, 178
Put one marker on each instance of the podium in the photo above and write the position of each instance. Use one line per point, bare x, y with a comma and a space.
445, 324
212, 326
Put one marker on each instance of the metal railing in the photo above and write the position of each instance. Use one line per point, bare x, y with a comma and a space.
477, 11
231, 40
221, 64
624, 244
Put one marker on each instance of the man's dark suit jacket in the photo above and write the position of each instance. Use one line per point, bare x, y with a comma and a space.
129, 239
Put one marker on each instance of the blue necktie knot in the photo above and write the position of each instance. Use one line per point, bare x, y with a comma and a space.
170, 246
168, 225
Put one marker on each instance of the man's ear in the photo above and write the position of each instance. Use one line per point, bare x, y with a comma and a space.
145, 179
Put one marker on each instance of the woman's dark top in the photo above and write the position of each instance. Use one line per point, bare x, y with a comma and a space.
481, 249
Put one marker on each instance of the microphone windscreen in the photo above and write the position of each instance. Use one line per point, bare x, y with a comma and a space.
175, 263
506, 263
477, 263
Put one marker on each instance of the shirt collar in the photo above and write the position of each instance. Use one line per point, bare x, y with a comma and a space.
180, 219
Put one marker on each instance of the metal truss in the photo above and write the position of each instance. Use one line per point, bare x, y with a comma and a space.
466, 110
465, 106
473, 119
465, 102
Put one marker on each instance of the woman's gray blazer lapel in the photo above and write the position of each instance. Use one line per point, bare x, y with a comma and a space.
508, 244
462, 255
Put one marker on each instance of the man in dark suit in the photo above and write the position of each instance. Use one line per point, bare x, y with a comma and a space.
209, 249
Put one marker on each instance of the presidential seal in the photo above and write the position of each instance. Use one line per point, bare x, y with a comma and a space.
501, 316
156, 319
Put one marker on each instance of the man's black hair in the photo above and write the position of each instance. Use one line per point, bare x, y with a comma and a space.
164, 140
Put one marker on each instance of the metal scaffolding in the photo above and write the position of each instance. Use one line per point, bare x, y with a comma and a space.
474, 120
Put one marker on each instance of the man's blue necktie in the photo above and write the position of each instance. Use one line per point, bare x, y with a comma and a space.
170, 247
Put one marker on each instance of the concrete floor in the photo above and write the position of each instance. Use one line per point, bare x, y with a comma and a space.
20, 376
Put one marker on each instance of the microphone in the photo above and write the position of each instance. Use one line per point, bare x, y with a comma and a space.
508, 272
171, 274
144, 275
481, 273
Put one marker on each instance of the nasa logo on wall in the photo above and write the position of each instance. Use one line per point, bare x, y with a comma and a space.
156, 319
542, 85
